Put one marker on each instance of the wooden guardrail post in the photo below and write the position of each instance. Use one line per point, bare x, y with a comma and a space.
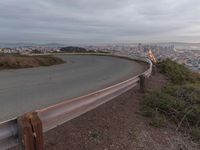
142, 83
30, 132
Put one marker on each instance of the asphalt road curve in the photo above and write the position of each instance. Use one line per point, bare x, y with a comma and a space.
25, 90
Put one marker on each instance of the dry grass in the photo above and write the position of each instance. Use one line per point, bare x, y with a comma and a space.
16, 62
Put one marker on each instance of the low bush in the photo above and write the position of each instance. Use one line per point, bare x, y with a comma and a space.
94, 135
157, 120
177, 73
175, 102
179, 101
196, 133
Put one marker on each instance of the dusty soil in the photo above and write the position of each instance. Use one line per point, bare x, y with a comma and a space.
118, 125
16, 62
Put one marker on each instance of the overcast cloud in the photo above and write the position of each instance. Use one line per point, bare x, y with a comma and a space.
99, 21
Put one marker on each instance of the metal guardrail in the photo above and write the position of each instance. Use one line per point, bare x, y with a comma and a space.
58, 114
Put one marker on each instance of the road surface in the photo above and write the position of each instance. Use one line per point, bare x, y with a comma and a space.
25, 90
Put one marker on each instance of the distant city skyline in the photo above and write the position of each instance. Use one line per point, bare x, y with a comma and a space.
99, 21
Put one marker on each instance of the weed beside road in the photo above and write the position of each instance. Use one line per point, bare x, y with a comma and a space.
178, 102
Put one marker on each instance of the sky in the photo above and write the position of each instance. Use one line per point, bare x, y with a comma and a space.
99, 21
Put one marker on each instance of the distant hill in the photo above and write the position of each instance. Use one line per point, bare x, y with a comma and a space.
18, 45
188, 46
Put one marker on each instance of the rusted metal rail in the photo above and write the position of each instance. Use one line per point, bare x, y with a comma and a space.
17, 130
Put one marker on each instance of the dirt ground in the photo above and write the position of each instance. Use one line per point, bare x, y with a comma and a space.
117, 125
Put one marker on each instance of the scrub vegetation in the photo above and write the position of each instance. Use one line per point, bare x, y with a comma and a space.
18, 61
178, 102
177, 73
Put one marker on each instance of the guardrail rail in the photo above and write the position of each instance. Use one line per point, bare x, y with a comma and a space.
53, 116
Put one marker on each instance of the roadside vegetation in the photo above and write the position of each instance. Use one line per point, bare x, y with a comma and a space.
18, 61
94, 135
178, 102
177, 73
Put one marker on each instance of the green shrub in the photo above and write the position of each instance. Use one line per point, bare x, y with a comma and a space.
196, 133
159, 100
158, 120
147, 111
177, 73
94, 135
178, 103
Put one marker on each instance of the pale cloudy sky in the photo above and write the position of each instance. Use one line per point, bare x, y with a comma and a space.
99, 21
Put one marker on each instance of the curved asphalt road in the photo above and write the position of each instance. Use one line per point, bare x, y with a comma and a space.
25, 90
